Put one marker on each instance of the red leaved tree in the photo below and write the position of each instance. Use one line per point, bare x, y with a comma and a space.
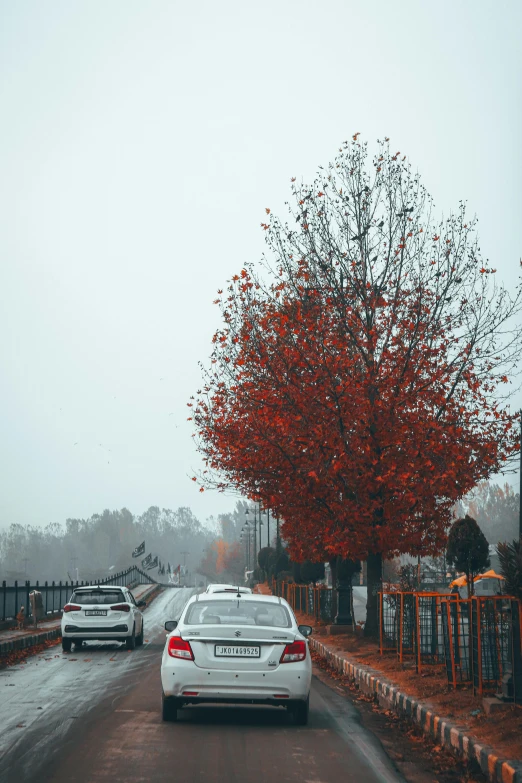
354, 385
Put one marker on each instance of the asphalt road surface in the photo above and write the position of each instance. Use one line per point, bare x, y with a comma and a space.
93, 716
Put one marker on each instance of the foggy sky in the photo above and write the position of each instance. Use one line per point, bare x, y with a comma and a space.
140, 143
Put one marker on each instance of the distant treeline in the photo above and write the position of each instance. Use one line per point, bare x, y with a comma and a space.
90, 547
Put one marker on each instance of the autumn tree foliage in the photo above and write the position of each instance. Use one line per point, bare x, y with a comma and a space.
355, 383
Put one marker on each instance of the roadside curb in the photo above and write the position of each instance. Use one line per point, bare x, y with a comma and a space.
446, 733
29, 641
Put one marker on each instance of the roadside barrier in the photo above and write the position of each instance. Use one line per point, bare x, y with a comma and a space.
314, 601
476, 639
56, 594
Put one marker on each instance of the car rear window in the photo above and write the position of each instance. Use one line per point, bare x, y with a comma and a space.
98, 597
238, 612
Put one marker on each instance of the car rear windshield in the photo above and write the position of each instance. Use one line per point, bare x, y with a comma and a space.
98, 597
238, 612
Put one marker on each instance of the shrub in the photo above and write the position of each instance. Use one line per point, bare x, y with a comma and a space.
468, 549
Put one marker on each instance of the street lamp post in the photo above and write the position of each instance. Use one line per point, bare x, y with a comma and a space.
255, 538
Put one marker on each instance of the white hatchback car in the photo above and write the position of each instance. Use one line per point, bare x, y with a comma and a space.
217, 588
102, 612
236, 649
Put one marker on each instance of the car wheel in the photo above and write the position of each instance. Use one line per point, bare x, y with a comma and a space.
169, 709
130, 642
301, 710
139, 639
66, 645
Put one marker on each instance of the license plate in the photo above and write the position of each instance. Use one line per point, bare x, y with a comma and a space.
95, 612
236, 651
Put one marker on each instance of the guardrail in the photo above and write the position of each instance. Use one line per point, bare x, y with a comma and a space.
56, 594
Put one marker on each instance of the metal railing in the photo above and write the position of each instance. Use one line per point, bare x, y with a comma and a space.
314, 601
56, 594
476, 639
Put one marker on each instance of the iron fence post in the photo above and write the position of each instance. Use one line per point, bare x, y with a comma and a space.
27, 590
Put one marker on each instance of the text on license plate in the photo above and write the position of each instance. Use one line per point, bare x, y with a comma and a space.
92, 612
237, 651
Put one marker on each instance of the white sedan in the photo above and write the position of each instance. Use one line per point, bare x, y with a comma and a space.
236, 649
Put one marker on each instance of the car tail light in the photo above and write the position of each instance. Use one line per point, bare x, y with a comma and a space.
72, 608
294, 652
179, 648
190, 693
121, 608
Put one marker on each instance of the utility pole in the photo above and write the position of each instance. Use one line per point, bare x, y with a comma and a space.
25, 560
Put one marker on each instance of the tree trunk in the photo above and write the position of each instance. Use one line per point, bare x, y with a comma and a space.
374, 584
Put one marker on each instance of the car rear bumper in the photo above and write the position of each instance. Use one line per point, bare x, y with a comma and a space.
185, 681
75, 631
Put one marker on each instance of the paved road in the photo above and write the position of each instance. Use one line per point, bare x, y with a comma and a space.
94, 717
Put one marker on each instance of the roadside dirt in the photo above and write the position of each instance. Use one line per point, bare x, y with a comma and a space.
418, 758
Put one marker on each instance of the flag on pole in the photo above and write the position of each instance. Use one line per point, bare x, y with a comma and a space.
152, 564
146, 561
140, 550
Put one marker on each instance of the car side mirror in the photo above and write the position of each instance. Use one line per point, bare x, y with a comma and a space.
171, 625
141, 603
305, 630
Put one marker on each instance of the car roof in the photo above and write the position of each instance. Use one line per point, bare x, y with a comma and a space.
271, 599
79, 588
216, 587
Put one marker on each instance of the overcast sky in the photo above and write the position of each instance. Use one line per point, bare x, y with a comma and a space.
140, 143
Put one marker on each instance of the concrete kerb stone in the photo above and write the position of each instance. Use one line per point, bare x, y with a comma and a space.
444, 732
29, 641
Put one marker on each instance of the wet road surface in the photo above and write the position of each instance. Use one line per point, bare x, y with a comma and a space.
94, 716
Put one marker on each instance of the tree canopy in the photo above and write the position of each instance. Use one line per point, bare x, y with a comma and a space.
355, 384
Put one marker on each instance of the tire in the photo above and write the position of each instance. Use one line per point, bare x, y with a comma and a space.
139, 639
169, 709
301, 711
66, 645
130, 642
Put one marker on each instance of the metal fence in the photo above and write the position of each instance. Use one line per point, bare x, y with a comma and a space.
314, 601
455, 621
56, 594
476, 639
